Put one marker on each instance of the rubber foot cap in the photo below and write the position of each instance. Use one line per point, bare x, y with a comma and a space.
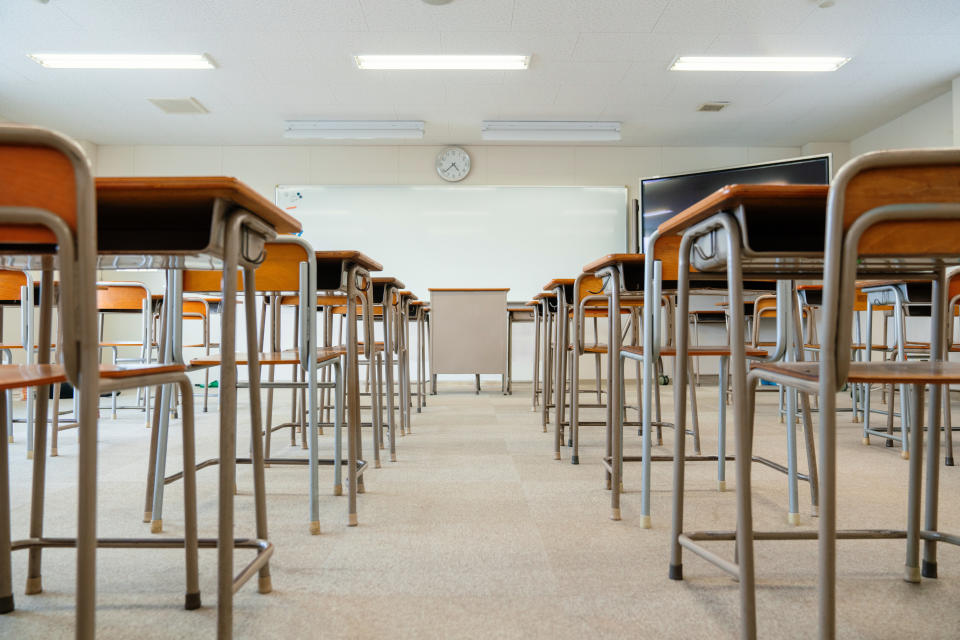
156, 526
192, 601
338, 489
659, 442
6, 604
264, 585
147, 516
911, 574
676, 572
645, 522
352, 520
575, 460
376, 464
721, 485
928, 569
556, 455
865, 442
315, 528
10, 439
569, 443
888, 443
266, 465
393, 457
905, 455
793, 519
948, 462
814, 511
29, 455
54, 453
361, 489
34, 586
615, 514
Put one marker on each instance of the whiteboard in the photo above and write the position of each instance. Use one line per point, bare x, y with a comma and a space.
465, 236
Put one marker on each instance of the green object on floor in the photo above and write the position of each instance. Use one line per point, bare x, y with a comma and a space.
213, 385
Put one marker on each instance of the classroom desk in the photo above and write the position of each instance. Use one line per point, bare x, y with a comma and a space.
563, 287
548, 303
384, 290
515, 313
212, 223
738, 230
419, 310
349, 272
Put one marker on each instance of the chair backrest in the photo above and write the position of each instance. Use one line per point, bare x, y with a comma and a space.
11, 283
886, 205
48, 205
204, 281
121, 296
280, 269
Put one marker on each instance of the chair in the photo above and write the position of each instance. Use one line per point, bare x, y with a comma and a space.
888, 214
48, 220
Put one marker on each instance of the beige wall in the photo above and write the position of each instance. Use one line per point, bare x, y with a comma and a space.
265, 167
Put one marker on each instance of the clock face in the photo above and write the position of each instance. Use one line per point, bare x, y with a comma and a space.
453, 164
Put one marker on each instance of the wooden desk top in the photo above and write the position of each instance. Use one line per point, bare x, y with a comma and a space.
545, 294
133, 195
559, 282
523, 309
389, 280
408, 294
731, 196
357, 257
500, 289
612, 259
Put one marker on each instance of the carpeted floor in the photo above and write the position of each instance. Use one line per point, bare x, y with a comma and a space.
477, 532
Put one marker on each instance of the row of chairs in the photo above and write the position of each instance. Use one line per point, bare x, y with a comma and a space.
49, 222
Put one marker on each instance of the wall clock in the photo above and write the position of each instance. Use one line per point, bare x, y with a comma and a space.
453, 164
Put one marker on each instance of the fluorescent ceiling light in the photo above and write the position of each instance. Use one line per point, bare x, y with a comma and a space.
757, 63
546, 131
480, 63
354, 129
123, 60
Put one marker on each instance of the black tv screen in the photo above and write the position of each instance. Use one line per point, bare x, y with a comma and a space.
664, 197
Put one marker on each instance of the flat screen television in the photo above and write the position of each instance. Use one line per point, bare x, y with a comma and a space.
663, 197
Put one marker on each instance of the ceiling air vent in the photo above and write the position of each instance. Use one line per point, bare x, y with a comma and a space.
178, 105
712, 106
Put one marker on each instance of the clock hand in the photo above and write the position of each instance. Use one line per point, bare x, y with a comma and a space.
452, 165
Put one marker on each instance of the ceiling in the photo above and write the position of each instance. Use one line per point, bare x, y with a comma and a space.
591, 60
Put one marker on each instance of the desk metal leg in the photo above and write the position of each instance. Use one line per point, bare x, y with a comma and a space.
388, 341
536, 358
34, 580
353, 393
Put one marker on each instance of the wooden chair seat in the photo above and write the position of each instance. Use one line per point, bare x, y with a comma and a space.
322, 300
270, 357
15, 376
695, 351
899, 372
126, 343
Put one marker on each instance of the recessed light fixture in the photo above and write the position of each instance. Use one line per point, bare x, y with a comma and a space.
354, 129
178, 106
558, 131
123, 60
443, 62
757, 63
